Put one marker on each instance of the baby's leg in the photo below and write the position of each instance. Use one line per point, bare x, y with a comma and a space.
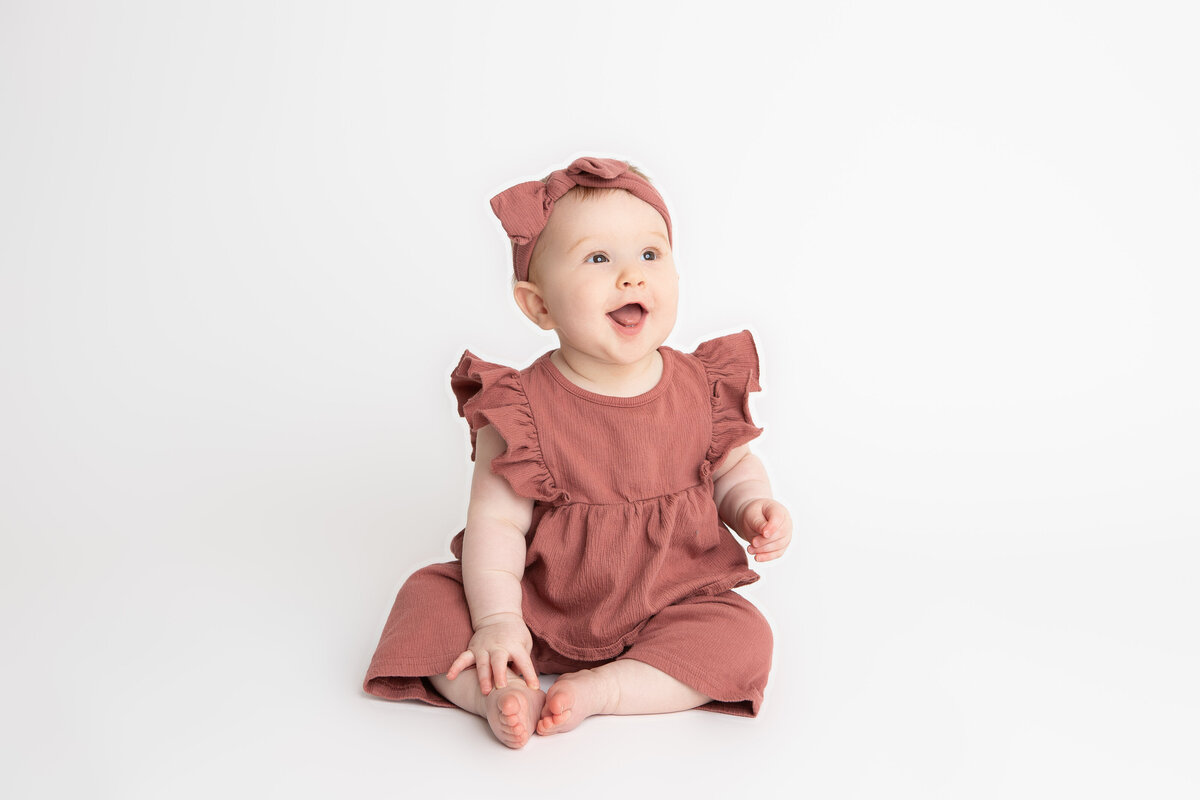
626, 686
721, 645
512, 712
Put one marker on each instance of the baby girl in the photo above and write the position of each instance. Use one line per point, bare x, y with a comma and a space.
596, 546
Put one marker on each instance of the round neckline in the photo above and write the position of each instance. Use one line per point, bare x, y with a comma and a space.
608, 399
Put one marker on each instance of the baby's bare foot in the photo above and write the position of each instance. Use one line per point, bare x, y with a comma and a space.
513, 712
573, 698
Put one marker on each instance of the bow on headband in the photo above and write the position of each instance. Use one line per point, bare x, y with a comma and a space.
525, 209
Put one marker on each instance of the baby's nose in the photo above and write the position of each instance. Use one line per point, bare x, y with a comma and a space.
632, 275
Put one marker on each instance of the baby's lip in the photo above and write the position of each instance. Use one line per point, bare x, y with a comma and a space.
645, 307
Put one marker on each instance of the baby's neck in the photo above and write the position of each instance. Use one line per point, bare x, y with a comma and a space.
614, 380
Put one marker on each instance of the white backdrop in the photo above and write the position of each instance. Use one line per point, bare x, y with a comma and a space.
244, 244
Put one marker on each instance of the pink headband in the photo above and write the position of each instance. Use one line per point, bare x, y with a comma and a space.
525, 209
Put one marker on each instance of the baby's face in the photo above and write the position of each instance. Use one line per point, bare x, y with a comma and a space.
594, 257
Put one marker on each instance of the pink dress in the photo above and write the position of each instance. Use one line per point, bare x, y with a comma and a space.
626, 555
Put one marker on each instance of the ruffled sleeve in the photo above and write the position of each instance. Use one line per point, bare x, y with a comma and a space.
731, 365
492, 394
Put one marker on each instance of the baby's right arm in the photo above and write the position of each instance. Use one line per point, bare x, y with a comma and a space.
493, 558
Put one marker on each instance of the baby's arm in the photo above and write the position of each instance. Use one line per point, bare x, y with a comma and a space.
744, 503
493, 558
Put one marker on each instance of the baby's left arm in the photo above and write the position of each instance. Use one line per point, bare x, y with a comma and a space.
744, 503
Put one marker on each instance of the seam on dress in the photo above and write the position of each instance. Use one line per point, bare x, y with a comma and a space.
712, 428
638, 500
710, 385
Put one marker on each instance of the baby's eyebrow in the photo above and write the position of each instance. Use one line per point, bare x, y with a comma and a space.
587, 239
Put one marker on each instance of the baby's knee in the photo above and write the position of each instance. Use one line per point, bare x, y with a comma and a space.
752, 632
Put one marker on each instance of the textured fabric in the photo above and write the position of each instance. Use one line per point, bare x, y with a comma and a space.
625, 533
719, 645
525, 209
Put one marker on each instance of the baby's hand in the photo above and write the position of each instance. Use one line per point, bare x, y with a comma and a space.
767, 525
500, 639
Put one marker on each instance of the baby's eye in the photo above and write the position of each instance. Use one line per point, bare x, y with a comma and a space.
652, 253
588, 260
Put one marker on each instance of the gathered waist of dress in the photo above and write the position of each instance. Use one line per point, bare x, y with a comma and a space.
626, 501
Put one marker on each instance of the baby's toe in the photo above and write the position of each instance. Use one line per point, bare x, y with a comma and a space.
551, 723
513, 715
559, 702
511, 705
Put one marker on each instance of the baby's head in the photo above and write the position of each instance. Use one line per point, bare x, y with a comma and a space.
589, 240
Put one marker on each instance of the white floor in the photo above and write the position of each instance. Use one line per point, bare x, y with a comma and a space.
141, 668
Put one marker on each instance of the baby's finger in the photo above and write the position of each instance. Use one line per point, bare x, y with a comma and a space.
773, 519
772, 546
774, 549
499, 662
758, 520
760, 542
782, 534
485, 672
778, 518
524, 666
464, 660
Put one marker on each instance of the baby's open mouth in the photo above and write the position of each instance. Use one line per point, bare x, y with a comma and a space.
629, 315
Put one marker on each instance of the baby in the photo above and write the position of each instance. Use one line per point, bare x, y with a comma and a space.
606, 472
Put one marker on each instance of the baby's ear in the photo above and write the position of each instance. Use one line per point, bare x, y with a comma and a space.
529, 300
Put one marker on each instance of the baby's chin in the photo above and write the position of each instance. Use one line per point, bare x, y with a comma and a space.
614, 353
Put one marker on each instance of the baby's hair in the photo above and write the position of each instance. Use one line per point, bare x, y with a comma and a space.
583, 193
